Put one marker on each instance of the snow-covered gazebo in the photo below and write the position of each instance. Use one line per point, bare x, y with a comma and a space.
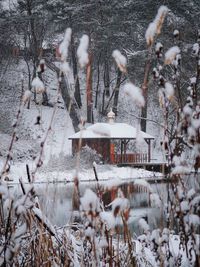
115, 142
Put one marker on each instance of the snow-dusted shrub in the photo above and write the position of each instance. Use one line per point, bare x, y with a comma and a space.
88, 156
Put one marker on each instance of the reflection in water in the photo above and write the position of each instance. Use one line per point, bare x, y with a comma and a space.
55, 200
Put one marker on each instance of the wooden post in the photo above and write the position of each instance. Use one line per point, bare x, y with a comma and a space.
121, 150
148, 141
112, 153
149, 150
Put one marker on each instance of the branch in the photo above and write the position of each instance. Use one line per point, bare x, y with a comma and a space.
139, 117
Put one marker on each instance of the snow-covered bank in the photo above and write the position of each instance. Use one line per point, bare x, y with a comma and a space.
110, 173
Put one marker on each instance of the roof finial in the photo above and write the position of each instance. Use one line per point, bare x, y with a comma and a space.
111, 116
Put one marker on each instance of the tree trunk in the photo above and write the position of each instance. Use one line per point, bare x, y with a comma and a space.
77, 93
35, 50
106, 78
145, 89
90, 117
98, 79
69, 103
116, 96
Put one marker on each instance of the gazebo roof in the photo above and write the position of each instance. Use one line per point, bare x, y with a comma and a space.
110, 131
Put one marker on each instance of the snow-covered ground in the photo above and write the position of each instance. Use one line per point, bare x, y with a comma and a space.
115, 175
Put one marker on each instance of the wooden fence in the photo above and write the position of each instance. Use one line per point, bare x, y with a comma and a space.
131, 158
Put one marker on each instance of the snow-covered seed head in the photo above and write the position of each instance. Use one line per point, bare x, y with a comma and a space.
171, 54
169, 90
135, 93
198, 34
176, 33
155, 73
120, 60
193, 80
64, 46
38, 85
90, 202
158, 48
162, 12
120, 205
155, 26
161, 98
195, 49
150, 33
26, 96
41, 67
82, 51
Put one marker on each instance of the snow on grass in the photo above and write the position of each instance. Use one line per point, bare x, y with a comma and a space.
57, 141
111, 176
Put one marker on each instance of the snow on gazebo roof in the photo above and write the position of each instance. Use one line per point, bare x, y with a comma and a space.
110, 131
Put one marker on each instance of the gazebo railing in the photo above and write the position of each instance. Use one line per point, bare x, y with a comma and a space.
130, 158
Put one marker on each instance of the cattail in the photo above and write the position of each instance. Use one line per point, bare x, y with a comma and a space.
41, 68
159, 48
135, 93
64, 46
162, 11
193, 80
38, 85
120, 60
82, 51
195, 49
176, 33
198, 35
161, 97
156, 26
26, 96
150, 33
169, 90
171, 54
155, 73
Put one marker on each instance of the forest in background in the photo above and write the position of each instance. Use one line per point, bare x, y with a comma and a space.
32, 25
165, 67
